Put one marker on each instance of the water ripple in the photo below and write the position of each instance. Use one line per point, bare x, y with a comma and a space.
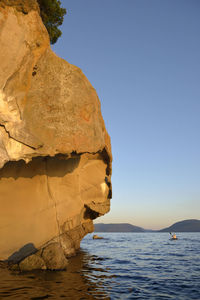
121, 266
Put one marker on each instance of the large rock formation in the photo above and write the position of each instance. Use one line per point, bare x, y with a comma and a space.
55, 154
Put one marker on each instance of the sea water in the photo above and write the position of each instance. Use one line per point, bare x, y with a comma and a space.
120, 266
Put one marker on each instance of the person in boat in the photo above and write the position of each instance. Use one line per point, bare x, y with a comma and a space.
173, 236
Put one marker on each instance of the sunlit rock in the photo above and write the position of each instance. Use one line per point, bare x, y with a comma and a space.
55, 153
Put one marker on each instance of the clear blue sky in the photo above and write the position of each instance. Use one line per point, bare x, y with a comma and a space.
143, 58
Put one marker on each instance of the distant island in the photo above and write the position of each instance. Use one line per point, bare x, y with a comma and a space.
191, 225
117, 227
184, 226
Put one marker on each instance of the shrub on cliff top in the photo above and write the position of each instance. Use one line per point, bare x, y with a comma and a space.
52, 15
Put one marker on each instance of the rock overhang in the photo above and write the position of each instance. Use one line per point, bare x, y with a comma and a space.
55, 152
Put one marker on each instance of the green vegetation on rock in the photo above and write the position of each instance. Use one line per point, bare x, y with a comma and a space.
52, 15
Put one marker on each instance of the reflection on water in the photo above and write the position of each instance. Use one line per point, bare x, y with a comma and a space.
84, 279
120, 266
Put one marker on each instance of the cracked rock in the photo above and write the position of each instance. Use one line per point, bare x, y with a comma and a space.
55, 152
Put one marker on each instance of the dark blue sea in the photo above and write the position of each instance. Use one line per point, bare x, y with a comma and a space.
120, 266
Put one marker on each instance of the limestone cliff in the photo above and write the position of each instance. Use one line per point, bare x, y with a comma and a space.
55, 153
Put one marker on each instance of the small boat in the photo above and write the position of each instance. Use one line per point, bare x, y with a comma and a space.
173, 236
96, 237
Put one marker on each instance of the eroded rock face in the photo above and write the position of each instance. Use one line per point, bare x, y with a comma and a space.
55, 154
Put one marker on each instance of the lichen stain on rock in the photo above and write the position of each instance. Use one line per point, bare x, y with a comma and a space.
23, 6
55, 152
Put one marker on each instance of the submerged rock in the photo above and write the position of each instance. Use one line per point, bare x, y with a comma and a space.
55, 153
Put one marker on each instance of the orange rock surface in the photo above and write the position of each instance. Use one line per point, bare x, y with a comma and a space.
55, 153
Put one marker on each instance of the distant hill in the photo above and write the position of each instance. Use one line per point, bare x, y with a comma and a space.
117, 227
184, 226
192, 225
